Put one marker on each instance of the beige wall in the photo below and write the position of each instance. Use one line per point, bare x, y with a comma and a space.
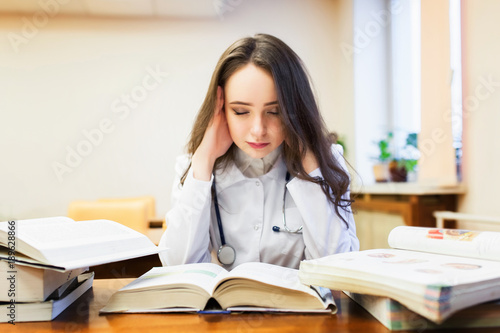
63, 88
435, 140
481, 96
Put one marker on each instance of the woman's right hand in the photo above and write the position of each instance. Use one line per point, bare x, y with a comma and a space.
216, 141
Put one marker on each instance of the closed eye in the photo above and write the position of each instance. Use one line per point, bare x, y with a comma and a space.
274, 111
239, 112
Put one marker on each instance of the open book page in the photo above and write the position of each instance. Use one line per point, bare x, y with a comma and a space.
465, 243
283, 286
204, 275
412, 271
270, 274
7, 229
167, 289
68, 244
10, 236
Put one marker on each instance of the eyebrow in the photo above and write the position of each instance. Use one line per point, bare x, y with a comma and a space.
250, 104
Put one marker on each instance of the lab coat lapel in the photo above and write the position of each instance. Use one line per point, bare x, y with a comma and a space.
278, 171
228, 176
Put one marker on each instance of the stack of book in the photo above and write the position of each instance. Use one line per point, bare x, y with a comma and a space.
429, 278
43, 262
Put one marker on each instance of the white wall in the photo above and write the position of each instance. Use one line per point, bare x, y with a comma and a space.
436, 165
69, 77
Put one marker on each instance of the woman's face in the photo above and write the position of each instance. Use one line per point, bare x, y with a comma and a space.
252, 111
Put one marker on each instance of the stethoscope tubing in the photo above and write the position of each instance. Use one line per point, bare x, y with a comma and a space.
226, 253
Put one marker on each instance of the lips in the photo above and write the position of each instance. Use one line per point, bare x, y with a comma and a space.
256, 145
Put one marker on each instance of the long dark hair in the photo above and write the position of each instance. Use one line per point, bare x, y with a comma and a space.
303, 124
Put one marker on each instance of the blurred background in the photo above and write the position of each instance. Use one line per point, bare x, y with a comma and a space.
97, 97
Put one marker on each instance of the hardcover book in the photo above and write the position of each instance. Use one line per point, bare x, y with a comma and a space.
32, 284
62, 244
52, 307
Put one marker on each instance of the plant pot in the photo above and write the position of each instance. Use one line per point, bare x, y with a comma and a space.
397, 172
381, 172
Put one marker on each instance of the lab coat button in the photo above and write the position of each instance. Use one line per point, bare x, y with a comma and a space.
257, 183
256, 227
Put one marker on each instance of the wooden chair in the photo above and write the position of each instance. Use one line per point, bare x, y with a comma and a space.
135, 213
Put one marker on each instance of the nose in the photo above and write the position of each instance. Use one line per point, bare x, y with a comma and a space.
259, 127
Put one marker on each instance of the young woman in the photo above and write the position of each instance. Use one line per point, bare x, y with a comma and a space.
262, 180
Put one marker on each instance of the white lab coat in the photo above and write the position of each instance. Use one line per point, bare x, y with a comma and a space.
249, 209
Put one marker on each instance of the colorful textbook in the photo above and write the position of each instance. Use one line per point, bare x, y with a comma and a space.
415, 274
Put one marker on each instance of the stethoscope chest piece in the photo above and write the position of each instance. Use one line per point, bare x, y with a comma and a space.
226, 254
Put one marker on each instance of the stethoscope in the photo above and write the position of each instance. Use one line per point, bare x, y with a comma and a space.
226, 253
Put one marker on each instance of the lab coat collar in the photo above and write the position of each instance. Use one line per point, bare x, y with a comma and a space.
255, 167
231, 174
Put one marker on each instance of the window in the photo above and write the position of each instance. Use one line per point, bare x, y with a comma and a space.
388, 77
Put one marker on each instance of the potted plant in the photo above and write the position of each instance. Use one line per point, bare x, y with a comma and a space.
407, 163
396, 167
381, 168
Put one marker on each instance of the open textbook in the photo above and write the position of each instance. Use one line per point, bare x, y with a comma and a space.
248, 287
431, 284
61, 243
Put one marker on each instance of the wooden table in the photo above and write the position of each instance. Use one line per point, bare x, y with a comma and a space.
415, 202
83, 316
